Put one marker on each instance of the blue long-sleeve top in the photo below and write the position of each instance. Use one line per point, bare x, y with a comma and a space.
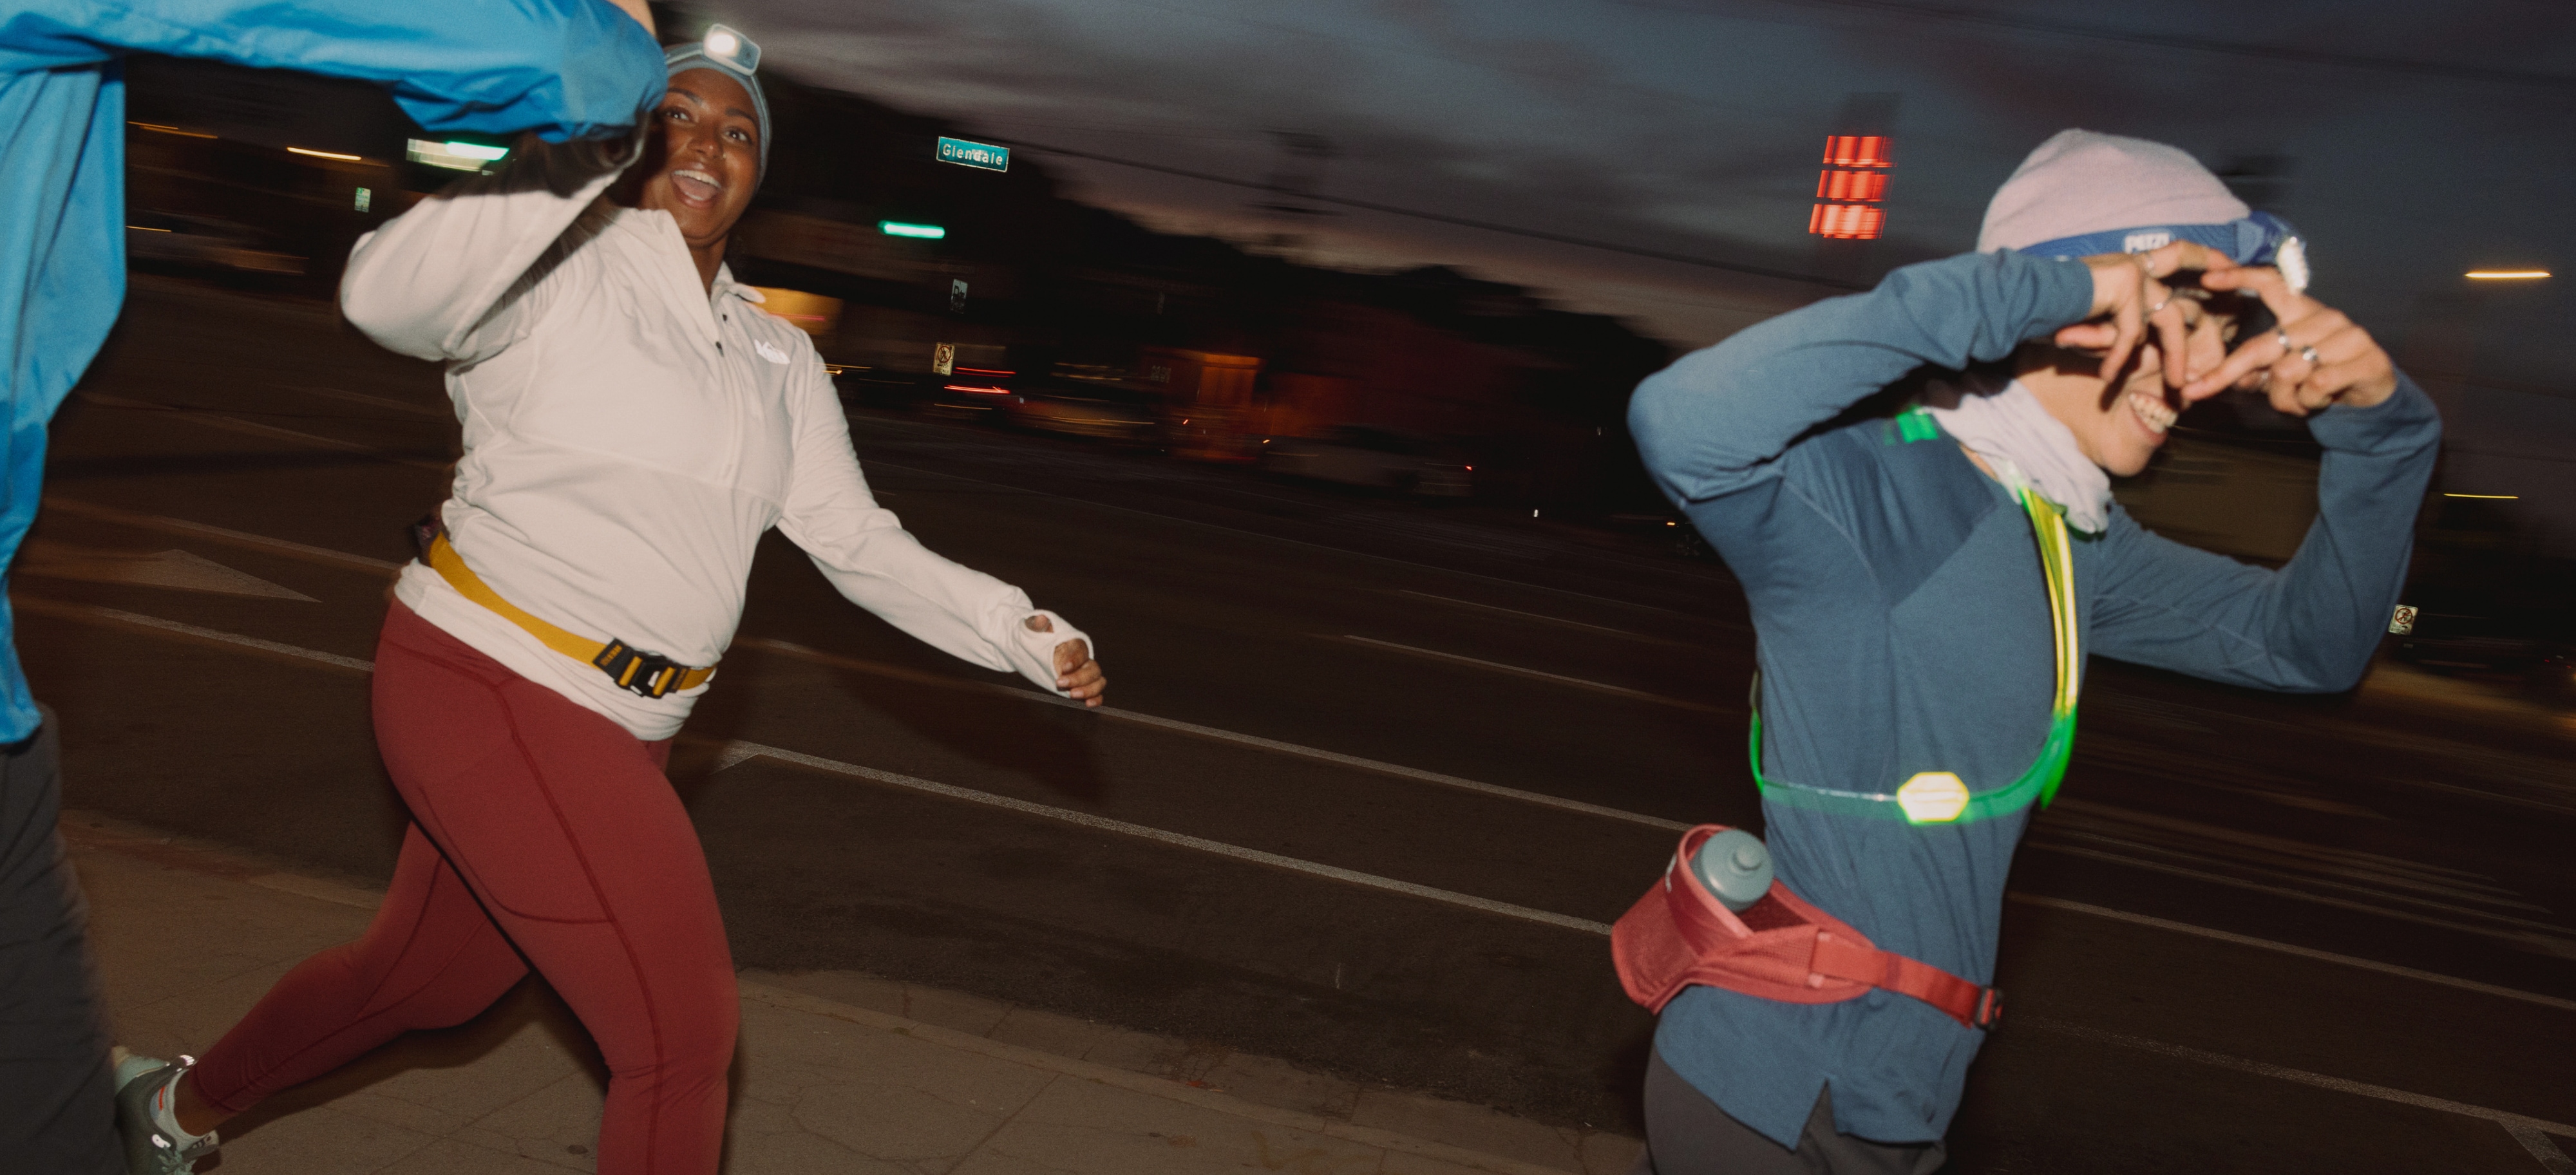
1903, 626
563, 68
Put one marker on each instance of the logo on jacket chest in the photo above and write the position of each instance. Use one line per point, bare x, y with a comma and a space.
768, 352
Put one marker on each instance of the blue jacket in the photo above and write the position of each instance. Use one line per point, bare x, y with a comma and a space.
1902, 626
563, 68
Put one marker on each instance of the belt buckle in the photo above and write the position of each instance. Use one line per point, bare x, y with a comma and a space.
1990, 1008
649, 674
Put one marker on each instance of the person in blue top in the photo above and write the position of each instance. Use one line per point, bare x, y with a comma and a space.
565, 69
1916, 679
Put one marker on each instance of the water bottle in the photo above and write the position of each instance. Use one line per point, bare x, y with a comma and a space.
1735, 866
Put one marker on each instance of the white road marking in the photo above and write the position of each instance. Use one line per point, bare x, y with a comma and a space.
2534, 939
1114, 714
94, 613
254, 428
1254, 534
219, 534
2546, 1001
2542, 1149
2505, 1118
183, 570
1535, 674
1600, 628
737, 752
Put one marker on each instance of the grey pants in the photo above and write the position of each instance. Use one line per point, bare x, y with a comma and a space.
57, 1112
1687, 1134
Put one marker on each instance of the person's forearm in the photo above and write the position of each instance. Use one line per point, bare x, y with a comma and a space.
423, 284
565, 69
1708, 421
2311, 626
2349, 570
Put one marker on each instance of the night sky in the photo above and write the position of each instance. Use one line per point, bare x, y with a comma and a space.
2409, 142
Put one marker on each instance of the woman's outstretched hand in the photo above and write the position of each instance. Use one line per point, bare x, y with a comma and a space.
2128, 292
2315, 358
1075, 672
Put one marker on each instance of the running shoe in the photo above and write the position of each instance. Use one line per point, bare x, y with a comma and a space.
142, 1098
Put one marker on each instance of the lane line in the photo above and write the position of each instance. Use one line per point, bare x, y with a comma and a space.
732, 756
1600, 628
1535, 674
738, 751
1114, 714
93, 613
2552, 1158
1255, 534
2532, 940
2546, 1001
254, 428
219, 534
2325, 877
2504, 1118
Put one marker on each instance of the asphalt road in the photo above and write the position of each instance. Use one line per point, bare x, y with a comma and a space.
1375, 776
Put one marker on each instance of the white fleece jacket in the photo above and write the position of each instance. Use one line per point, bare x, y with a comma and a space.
629, 437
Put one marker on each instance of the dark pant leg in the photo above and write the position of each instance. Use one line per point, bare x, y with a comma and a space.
432, 958
1687, 1134
57, 1111
565, 827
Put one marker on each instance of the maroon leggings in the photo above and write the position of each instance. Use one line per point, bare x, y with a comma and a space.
542, 835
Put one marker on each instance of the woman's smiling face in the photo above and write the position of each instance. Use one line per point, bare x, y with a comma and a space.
705, 163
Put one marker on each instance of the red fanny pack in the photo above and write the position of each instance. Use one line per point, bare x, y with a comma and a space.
1780, 948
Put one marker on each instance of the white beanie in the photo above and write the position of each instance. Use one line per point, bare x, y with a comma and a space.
2082, 182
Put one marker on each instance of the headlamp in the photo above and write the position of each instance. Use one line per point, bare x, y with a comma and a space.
2259, 239
729, 47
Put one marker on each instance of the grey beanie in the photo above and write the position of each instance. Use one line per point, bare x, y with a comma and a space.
2081, 182
679, 59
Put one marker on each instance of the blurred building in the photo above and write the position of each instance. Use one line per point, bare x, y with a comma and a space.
1047, 312
1219, 347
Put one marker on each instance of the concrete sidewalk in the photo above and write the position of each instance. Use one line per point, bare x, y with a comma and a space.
837, 1072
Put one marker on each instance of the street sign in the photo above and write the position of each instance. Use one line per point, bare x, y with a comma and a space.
983, 155
943, 359
957, 295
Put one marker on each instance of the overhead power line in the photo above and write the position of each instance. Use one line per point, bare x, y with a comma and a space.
1445, 218
2023, 24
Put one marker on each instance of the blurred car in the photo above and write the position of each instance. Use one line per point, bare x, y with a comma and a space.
178, 239
1079, 414
1374, 457
971, 393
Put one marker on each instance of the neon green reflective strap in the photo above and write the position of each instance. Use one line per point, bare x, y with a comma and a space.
1932, 797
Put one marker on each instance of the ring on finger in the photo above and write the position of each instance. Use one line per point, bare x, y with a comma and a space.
2283, 337
2308, 355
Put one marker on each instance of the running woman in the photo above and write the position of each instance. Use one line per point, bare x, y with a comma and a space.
1914, 657
633, 423
562, 68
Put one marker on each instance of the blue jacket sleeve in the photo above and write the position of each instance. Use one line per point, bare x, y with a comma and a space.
2312, 625
566, 69
1713, 422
